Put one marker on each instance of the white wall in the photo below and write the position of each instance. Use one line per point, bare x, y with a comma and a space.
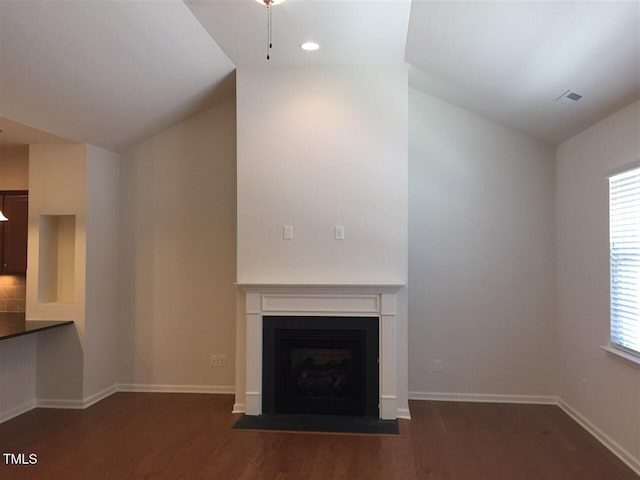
71, 364
57, 186
17, 376
602, 388
177, 262
481, 249
103, 269
319, 147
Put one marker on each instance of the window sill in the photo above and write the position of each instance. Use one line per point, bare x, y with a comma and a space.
622, 354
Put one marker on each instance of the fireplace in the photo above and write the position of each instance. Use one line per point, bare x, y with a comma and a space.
320, 365
314, 309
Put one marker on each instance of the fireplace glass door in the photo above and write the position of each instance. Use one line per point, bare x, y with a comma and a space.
320, 365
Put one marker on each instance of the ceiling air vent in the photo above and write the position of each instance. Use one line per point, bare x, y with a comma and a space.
569, 97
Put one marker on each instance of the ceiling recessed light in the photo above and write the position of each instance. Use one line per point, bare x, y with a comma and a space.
310, 46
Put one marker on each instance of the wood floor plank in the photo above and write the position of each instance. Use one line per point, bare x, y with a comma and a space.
190, 436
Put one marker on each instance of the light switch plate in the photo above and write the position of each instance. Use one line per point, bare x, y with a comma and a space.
339, 232
287, 233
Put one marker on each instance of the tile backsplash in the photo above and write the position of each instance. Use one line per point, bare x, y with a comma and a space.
13, 293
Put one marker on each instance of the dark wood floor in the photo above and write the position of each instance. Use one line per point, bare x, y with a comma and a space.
185, 436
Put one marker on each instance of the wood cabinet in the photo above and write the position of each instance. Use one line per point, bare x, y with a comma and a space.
13, 253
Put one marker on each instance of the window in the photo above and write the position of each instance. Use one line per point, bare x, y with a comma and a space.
624, 247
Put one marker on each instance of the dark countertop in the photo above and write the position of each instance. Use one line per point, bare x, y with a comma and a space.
14, 325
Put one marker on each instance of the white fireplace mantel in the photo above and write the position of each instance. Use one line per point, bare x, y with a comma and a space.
339, 300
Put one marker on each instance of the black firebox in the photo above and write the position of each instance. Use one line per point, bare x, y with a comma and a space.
320, 365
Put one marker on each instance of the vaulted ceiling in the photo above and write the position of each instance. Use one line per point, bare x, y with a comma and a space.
112, 72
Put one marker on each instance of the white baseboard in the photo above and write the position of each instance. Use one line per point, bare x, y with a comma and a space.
144, 387
631, 461
404, 413
238, 408
96, 397
19, 410
483, 397
76, 404
60, 403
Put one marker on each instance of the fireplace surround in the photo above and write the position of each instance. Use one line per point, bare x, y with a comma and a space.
317, 301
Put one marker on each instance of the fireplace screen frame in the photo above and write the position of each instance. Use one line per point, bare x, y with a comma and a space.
276, 328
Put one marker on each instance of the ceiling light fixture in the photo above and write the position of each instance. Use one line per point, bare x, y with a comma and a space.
310, 46
269, 4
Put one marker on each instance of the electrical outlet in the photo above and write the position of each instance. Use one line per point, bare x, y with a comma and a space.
438, 366
222, 360
213, 360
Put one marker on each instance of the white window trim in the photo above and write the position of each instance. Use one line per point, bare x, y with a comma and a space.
629, 357
624, 168
610, 347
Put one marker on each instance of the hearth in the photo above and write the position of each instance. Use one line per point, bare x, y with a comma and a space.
320, 365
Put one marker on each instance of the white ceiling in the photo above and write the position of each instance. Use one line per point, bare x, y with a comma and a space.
348, 31
112, 72
106, 72
510, 60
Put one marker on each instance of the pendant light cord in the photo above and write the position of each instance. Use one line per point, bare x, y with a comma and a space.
269, 22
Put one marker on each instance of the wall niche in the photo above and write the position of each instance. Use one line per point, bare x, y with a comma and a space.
57, 246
